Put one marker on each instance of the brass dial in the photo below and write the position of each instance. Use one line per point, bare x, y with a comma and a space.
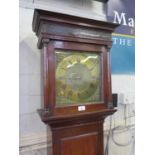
77, 77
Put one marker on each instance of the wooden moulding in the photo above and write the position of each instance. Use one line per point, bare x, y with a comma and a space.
41, 15
68, 120
45, 25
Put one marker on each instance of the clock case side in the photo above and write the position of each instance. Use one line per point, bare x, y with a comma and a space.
48, 41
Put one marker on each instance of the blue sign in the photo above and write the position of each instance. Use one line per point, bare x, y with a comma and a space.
123, 49
123, 55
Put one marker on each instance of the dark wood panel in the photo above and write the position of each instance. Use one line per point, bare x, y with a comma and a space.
73, 119
48, 16
77, 46
51, 76
59, 37
73, 109
79, 139
44, 73
105, 76
109, 89
73, 31
85, 144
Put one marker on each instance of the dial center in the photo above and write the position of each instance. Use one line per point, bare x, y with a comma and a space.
79, 77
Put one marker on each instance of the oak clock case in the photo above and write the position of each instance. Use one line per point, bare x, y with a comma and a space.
76, 81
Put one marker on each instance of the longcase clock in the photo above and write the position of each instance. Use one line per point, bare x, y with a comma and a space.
76, 80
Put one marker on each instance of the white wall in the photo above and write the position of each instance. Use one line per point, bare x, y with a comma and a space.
84, 8
32, 130
123, 120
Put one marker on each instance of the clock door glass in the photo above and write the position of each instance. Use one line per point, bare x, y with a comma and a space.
78, 77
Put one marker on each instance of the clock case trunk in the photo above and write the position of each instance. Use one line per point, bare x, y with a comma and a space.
73, 132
